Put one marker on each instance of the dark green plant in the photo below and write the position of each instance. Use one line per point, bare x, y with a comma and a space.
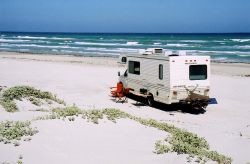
67, 111
12, 131
19, 92
161, 148
19, 162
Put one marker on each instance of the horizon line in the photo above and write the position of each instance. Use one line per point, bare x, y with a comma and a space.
126, 32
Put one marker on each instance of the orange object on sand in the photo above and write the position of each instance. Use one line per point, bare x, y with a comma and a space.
119, 92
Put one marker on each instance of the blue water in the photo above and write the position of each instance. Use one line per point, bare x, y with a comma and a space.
221, 47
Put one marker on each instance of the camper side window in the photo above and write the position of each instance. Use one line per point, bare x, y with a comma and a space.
134, 67
198, 72
160, 71
124, 59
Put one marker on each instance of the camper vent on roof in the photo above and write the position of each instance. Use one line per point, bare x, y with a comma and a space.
151, 51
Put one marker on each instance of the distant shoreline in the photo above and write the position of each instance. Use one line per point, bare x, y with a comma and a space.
106, 56
227, 69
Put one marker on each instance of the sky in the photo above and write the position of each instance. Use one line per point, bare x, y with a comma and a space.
130, 16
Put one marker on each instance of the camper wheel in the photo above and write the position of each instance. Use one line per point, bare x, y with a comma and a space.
150, 99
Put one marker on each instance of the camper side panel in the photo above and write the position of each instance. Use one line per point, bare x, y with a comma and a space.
151, 78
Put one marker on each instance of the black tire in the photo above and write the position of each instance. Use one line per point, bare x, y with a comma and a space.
150, 100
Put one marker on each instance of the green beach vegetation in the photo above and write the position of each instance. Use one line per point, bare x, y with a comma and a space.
177, 140
35, 96
14, 131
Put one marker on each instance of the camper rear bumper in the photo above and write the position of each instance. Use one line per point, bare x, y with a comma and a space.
181, 94
197, 99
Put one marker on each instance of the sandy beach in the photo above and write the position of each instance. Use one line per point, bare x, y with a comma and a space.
85, 82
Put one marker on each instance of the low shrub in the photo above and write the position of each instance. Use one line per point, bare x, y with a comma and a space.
35, 96
12, 131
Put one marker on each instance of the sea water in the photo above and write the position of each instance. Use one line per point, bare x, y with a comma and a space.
221, 47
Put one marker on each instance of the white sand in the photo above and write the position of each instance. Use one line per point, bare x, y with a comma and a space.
87, 85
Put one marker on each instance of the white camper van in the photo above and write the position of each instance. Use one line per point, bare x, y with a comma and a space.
167, 78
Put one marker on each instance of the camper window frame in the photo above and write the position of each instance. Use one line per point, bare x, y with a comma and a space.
160, 71
191, 76
133, 69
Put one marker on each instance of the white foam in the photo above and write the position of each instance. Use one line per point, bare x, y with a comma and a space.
30, 37
240, 40
126, 50
24, 50
108, 44
244, 47
178, 45
132, 43
130, 50
157, 43
68, 51
220, 58
101, 53
224, 52
89, 53
194, 41
244, 55
36, 45
36, 37
218, 41
39, 46
101, 44
41, 41
56, 38
13, 41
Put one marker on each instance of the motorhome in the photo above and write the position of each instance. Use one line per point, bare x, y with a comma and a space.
166, 77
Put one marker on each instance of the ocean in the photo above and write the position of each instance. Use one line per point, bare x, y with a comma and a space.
221, 47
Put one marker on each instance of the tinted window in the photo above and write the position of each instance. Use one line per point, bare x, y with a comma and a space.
124, 59
160, 71
198, 72
158, 50
134, 67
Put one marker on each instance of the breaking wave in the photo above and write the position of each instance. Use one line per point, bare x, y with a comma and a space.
240, 40
43, 38
100, 44
13, 41
132, 43
178, 45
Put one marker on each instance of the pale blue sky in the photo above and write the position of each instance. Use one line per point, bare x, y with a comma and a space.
154, 16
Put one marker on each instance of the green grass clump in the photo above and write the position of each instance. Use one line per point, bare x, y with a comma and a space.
19, 162
35, 96
93, 115
114, 114
67, 111
9, 105
161, 148
11, 131
90, 115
